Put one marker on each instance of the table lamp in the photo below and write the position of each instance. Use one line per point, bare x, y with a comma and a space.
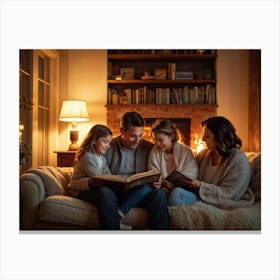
74, 111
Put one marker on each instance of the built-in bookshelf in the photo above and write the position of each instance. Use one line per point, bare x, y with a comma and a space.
162, 77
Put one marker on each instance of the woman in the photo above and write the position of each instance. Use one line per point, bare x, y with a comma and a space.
223, 169
168, 154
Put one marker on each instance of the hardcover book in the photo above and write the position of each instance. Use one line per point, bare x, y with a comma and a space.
180, 180
124, 184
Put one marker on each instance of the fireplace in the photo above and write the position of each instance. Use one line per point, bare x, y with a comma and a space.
188, 118
183, 125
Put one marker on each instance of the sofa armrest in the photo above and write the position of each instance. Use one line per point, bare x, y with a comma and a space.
32, 192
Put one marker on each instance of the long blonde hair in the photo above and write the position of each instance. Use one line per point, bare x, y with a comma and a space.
97, 131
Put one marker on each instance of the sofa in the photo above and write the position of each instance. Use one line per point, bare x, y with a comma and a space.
45, 204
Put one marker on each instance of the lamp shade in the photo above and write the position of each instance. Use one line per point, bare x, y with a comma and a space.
74, 111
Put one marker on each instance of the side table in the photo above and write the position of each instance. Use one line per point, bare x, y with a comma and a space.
65, 158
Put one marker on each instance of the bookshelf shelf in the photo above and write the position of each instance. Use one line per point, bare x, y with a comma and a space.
127, 82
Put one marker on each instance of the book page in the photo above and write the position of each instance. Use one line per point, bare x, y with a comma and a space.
141, 175
115, 178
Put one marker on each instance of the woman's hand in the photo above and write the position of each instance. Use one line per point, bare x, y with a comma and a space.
194, 183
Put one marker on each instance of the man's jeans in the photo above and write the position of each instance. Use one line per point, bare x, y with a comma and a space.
133, 197
107, 202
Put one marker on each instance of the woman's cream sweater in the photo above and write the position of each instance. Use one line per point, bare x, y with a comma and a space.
228, 188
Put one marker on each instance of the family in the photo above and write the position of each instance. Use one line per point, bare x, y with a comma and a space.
220, 173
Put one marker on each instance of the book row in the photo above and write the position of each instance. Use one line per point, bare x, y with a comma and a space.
143, 95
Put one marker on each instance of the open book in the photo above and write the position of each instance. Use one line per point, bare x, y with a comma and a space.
180, 180
124, 184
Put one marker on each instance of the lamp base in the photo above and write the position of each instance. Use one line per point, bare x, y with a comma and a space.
74, 136
73, 147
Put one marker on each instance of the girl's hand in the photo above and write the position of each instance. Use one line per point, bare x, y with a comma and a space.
94, 185
190, 182
157, 184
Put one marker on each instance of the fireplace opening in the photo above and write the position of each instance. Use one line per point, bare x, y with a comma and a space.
183, 125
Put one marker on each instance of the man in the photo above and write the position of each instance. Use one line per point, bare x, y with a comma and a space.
127, 155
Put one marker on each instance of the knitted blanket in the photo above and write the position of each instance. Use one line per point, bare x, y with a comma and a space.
202, 216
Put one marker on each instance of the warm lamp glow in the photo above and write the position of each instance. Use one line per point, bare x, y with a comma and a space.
74, 111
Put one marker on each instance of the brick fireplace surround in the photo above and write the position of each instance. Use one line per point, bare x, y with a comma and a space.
196, 114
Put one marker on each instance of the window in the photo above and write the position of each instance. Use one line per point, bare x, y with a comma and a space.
38, 83
25, 108
43, 109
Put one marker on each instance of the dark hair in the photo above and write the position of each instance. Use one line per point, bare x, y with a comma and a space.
166, 127
132, 119
94, 134
225, 135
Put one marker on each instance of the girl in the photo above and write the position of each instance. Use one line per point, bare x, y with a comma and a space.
90, 160
168, 154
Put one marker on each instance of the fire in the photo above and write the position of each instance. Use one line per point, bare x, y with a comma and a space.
199, 144
147, 133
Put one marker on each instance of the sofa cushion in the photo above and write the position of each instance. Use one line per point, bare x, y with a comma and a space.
69, 211
202, 216
72, 211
